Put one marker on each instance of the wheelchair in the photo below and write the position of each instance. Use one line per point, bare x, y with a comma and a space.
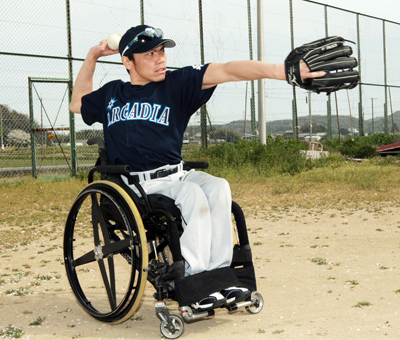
117, 238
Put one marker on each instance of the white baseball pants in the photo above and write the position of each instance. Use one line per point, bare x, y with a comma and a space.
205, 204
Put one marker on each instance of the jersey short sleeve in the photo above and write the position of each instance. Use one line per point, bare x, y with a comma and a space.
189, 80
93, 103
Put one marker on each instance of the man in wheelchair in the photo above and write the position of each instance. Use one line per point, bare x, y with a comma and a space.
144, 121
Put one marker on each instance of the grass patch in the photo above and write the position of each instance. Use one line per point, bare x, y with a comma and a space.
11, 332
38, 321
18, 292
362, 304
319, 261
47, 204
137, 318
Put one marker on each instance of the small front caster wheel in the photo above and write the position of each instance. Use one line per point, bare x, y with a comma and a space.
176, 329
257, 303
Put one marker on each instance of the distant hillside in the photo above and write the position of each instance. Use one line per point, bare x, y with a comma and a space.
280, 126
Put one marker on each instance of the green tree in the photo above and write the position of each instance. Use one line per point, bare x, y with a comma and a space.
344, 131
316, 127
226, 135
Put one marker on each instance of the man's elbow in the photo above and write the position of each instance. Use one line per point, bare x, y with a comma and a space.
75, 107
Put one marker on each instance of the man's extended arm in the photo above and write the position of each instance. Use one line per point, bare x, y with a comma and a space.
249, 70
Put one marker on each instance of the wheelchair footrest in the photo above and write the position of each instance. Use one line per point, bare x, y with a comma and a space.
193, 288
253, 304
188, 314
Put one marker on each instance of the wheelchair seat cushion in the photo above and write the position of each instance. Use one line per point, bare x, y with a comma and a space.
158, 201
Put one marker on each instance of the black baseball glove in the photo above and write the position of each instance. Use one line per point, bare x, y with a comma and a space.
329, 55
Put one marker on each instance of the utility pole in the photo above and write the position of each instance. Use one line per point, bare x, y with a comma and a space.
373, 118
309, 114
262, 127
2, 131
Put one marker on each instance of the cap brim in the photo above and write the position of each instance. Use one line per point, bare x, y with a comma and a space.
149, 45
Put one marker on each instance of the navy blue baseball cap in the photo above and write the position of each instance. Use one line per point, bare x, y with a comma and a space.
141, 39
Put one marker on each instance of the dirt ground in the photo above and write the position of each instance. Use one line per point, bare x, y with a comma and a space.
331, 274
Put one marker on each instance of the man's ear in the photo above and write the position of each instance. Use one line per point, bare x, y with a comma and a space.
129, 64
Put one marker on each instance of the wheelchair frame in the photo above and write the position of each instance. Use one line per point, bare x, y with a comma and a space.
127, 223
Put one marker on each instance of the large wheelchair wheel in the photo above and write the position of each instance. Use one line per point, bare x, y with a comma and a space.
105, 252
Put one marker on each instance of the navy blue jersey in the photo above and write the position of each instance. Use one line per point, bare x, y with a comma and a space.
144, 125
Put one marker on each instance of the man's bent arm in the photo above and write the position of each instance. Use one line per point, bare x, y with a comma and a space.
84, 80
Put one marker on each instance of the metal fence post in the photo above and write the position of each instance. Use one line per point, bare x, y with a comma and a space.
295, 118
252, 97
141, 12
70, 86
32, 130
386, 125
261, 82
360, 106
328, 104
203, 110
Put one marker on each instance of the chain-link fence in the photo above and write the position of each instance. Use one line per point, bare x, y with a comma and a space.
44, 43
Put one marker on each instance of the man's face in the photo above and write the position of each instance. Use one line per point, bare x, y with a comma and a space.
150, 66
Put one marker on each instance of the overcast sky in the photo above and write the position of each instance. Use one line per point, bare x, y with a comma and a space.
385, 9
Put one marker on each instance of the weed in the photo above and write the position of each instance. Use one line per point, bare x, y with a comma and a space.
53, 248
261, 331
22, 291
44, 277
319, 261
278, 331
363, 304
38, 321
11, 332
18, 292
137, 318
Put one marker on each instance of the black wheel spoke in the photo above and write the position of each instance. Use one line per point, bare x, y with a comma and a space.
111, 296
116, 247
112, 276
87, 258
95, 219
